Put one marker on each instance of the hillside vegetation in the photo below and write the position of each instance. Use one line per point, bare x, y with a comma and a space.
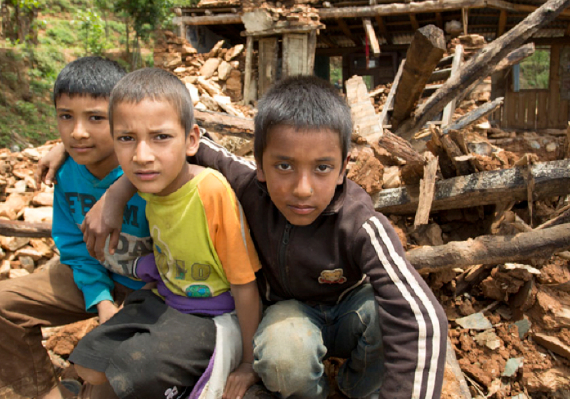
33, 52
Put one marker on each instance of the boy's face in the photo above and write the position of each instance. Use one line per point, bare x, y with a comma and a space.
151, 145
83, 124
302, 170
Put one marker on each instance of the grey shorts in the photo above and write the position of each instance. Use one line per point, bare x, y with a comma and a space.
148, 349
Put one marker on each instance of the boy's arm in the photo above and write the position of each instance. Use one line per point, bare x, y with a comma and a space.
413, 323
235, 169
49, 165
248, 308
106, 218
90, 276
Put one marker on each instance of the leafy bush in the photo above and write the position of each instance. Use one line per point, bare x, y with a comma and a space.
62, 33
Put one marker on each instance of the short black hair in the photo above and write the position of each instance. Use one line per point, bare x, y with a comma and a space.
304, 102
154, 84
94, 76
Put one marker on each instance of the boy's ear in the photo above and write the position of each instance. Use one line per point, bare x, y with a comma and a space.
343, 170
193, 141
260, 174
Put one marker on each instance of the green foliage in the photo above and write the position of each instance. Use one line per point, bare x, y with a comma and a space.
147, 15
535, 70
91, 31
62, 33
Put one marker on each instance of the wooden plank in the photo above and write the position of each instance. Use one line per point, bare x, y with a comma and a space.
311, 50
554, 87
439, 20
220, 123
425, 51
551, 179
492, 249
455, 65
414, 22
367, 23
474, 115
481, 65
465, 18
248, 94
530, 110
521, 110
363, 114
295, 51
440, 74
389, 104
19, 228
427, 190
346, 30
542, 110
563, 117
383, 30
510, 109
267, 68
502, 23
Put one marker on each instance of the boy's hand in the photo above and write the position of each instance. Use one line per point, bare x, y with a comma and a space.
239, 381
99, 223
49, 164
106, 310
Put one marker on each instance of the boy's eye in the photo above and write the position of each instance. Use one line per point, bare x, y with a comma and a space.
97, 118
162, 136
64, 117
283, 166
124, 138
324, 168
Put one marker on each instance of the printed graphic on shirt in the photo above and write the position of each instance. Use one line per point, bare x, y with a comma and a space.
332, 277
81, 203
175, 269
128, 250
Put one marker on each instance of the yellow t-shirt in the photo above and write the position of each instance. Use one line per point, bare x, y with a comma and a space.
201, 238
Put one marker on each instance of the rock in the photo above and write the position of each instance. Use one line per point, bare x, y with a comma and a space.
30, 252
234, 52
476, 321
209, 103
37, 215
194, 93
234, 85
391, 177
13, 243
512, 366
553, 344
32, 154
215, 50
224, 70
43, 199
367, 172
5, 269
523, 327
39, 245
63, 342
13, 205
489, 339
15, 273
257, 20
27, 263
209, 67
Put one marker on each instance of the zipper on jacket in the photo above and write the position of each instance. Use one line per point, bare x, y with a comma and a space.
282, 255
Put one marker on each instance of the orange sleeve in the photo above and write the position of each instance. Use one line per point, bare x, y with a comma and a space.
229, 230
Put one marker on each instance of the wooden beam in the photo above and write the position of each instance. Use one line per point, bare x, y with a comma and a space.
282, 31
425, 51
247, 92
220, 123
502, 23
455, 65
267, 68
19, 228
481, 65
367, 23
551, 179
414, 22
439, 20
474, 115
492, 249
220, 19
465, 18
383, 30
427, 189
389, 104
345, 29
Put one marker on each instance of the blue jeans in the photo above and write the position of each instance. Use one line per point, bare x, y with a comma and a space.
294, 338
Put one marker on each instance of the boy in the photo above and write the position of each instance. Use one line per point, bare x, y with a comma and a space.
79, 287
201, 246
334, 270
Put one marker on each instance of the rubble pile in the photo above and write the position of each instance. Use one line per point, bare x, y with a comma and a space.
214, 80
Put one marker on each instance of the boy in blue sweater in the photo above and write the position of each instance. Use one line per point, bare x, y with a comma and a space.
80, 286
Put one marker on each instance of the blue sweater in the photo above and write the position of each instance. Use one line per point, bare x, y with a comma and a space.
75, 193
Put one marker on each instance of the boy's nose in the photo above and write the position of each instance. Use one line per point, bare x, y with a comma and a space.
303, 187
79, 132
143, 153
